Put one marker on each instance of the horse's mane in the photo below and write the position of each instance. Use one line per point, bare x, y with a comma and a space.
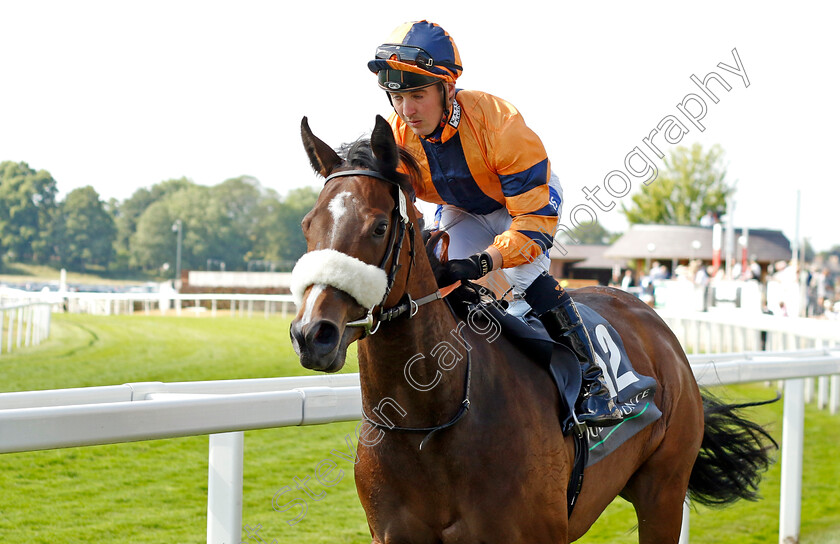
359, 154
468, 293
431, 239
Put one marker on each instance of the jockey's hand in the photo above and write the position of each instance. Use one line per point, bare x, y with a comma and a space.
471, 268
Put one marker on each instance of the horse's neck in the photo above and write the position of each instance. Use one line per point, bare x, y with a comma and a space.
403, 368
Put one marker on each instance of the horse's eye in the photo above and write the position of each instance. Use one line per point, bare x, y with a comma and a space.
381, 229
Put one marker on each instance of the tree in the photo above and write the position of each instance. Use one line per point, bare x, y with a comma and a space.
153, 243
233, 222
27, 207
595, 234
210, 229
84, 230
128, 213
239, 203
216, 222
281, 238
692, 184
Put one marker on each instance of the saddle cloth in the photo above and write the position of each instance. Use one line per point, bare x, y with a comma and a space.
632, 392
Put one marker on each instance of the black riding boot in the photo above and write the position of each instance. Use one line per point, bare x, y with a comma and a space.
558, 314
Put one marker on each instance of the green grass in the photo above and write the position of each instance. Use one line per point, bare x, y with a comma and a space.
758, 522
155, 492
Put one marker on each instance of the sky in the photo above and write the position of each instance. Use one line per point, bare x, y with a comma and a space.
121, 95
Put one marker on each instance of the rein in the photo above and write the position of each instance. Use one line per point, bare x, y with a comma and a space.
462, 411
370, 323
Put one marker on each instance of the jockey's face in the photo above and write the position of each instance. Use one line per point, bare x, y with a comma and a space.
421, 110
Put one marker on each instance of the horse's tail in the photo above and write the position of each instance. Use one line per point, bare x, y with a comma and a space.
733, 455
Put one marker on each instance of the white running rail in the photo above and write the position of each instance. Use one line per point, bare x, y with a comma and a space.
37, 420
23, 325
163, 303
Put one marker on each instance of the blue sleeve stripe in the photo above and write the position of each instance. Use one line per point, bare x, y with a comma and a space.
522, 182
543, 239
546, 211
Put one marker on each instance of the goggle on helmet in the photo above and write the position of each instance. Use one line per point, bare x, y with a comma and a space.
417, 55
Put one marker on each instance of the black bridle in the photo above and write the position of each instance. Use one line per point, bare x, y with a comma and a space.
393, 250
406, 304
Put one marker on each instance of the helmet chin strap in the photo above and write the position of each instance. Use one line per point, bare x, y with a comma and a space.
447, 103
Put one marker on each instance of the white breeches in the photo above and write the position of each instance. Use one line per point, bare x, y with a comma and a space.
471, 233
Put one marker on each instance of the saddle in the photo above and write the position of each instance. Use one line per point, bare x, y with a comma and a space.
632, 392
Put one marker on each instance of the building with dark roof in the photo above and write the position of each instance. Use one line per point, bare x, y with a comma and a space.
669, 244
681, 243
584, 262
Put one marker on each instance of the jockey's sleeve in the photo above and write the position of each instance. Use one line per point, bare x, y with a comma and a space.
523, 168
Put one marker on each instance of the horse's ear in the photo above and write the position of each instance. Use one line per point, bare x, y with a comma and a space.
322, 157
384, 146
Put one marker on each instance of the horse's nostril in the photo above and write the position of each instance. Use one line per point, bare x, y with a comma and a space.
325, 336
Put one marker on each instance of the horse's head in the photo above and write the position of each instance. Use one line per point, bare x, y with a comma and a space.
355, 252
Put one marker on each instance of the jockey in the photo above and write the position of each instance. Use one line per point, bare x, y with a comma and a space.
491, 178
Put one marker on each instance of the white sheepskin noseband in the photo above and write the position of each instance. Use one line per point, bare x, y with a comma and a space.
364, 282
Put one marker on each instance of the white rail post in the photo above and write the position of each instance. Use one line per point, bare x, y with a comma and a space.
19, 327
36, 325
834, 395
822, 383
224, 488
29, 318
809, 390
49, 322
834, 391
685, 522
793, 435
696, 333
11, 327
822, 392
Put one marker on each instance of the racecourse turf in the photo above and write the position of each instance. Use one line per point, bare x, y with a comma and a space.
156, 491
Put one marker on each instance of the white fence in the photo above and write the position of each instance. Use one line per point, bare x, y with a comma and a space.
242, 305
39, 420
715, 332
23, 325
65, 418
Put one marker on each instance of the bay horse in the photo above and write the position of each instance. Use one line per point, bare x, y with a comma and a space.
488, 461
